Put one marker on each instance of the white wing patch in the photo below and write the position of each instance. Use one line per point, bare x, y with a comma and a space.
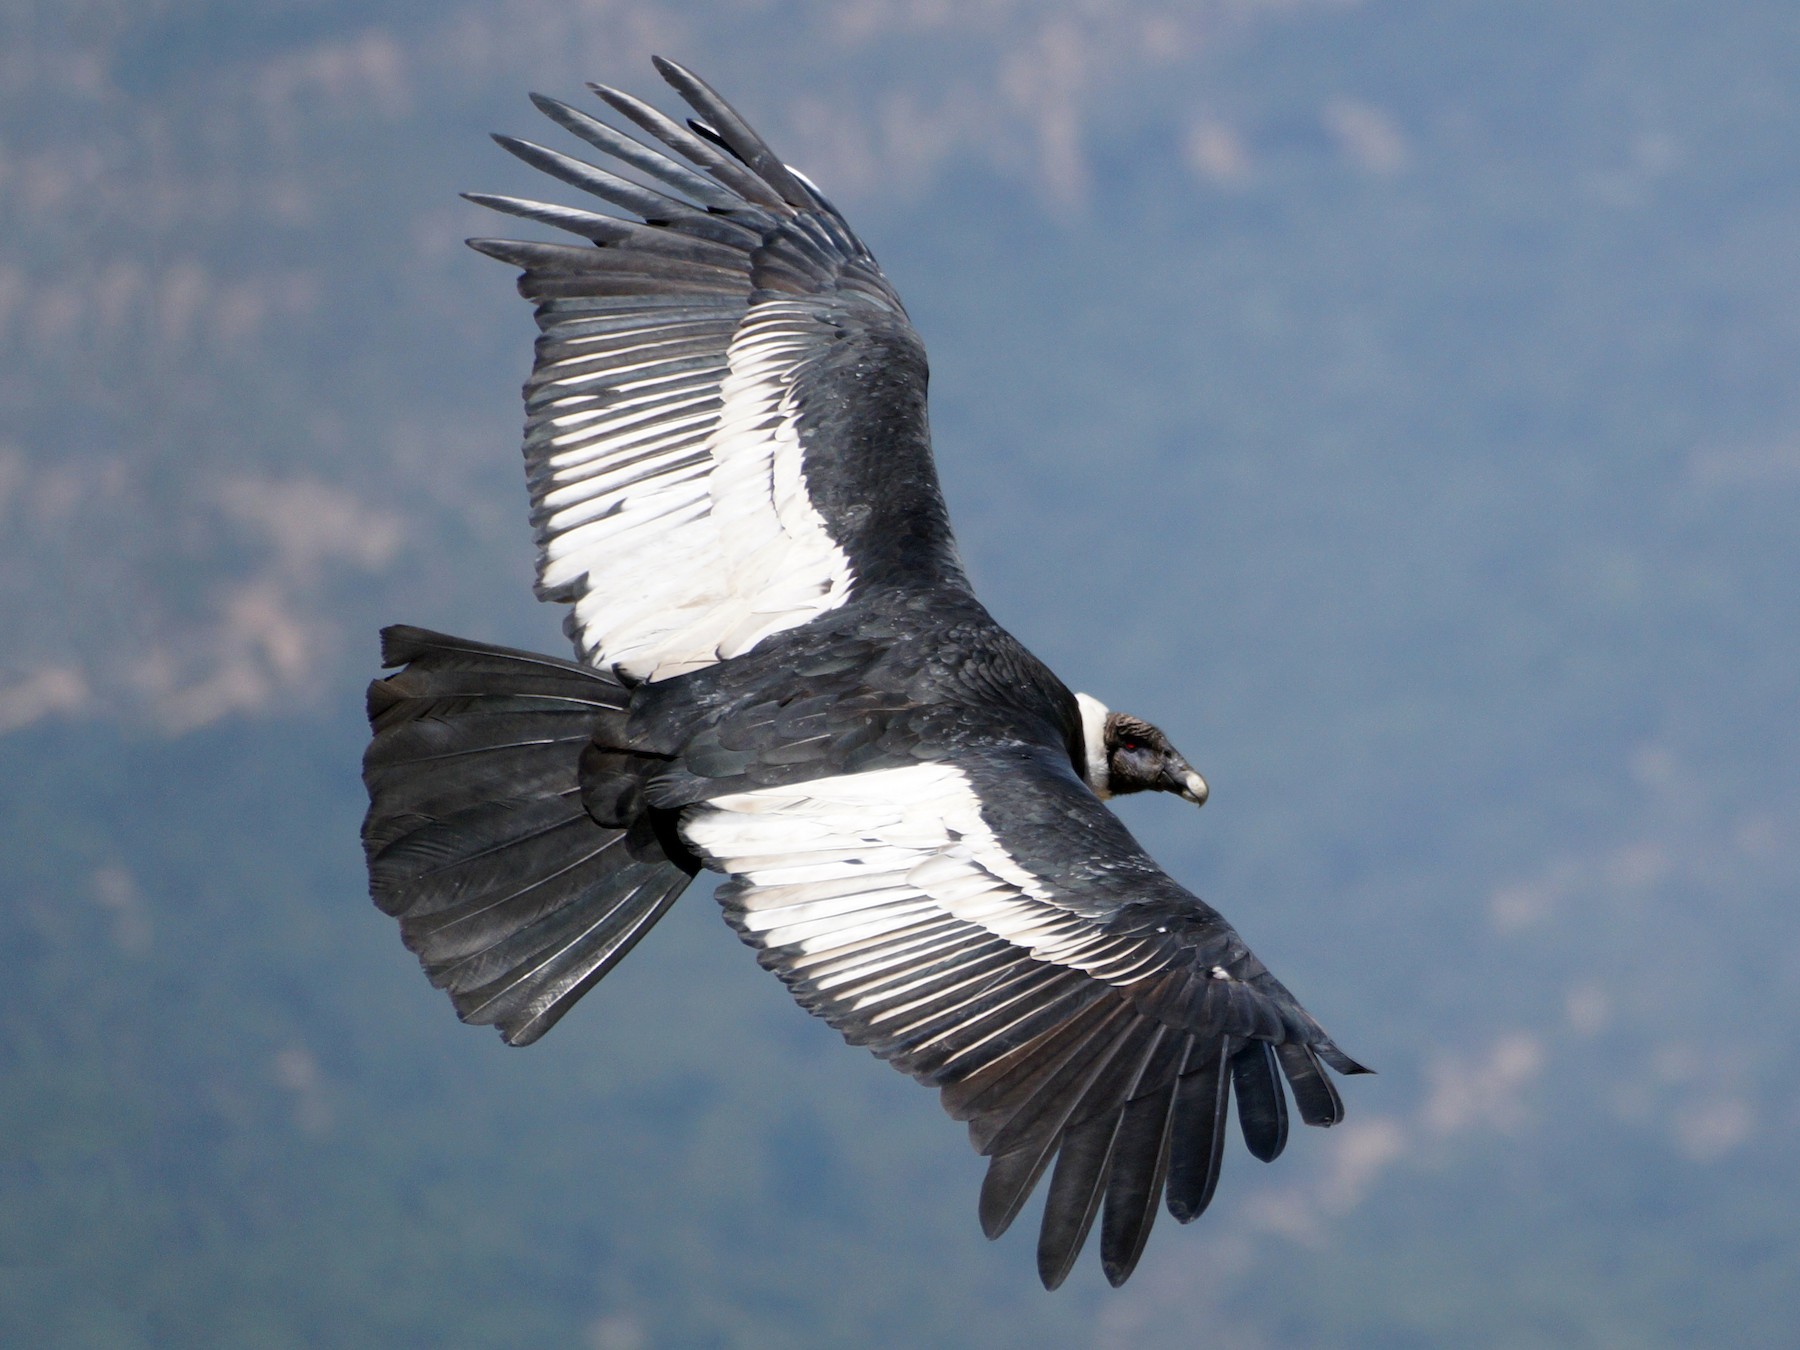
675, 503
889, 870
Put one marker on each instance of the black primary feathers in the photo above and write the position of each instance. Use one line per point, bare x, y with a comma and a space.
784, 676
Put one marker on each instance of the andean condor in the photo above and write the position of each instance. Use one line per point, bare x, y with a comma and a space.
785, 677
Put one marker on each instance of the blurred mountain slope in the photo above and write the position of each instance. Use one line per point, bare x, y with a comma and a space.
1398, 402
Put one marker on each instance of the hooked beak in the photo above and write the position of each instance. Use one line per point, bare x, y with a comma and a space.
1184, 782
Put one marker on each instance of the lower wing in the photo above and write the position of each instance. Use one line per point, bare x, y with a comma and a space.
988, 926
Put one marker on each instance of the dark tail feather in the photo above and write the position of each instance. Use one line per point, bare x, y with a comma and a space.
514, 897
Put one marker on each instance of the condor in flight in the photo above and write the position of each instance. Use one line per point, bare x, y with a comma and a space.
784, 677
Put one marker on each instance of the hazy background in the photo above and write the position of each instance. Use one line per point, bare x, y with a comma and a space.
1397, 401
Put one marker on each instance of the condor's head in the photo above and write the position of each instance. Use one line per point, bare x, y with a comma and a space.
1128, 754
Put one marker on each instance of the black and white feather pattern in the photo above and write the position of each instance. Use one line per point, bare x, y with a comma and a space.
665, 440
928, 912
787, 678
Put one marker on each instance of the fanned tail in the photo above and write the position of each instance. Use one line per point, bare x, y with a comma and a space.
480, 837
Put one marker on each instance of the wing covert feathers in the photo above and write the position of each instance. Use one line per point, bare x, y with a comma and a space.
918, 912
726, 440
701, 396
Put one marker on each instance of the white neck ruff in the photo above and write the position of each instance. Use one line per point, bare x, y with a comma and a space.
1093, 735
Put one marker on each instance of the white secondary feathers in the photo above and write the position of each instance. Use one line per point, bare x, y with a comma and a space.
845, 872
675, 507
971, 912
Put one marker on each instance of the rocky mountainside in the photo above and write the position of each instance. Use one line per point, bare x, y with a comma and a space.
1398, 402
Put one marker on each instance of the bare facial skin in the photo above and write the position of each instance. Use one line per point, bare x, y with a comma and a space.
1139, 758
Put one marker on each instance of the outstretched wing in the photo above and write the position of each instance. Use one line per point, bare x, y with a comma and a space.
725, 425
987, 925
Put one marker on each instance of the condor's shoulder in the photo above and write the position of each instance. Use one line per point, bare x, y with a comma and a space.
886, 687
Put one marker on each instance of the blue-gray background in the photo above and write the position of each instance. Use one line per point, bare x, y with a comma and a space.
1398, 401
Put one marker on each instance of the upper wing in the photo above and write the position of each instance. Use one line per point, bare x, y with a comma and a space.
987, 925
725, 425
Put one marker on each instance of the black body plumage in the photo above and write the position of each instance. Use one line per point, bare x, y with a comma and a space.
786, 677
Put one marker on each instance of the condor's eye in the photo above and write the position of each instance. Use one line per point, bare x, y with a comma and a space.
1129, 744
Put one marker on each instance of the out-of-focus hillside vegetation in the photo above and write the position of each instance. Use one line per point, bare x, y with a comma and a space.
1397, 401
